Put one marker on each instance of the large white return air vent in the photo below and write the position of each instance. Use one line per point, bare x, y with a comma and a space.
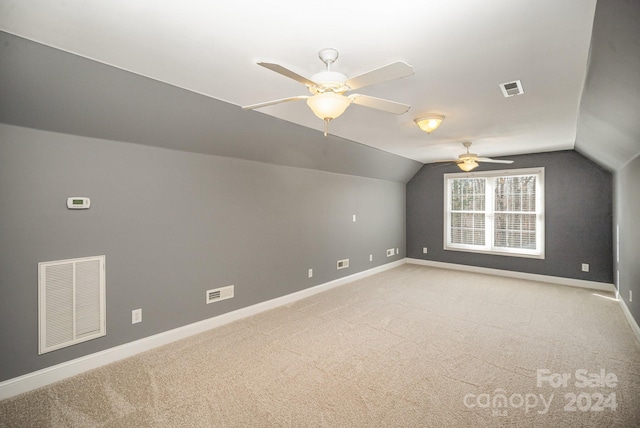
71, 302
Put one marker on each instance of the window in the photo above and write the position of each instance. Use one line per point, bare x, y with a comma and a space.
495, 212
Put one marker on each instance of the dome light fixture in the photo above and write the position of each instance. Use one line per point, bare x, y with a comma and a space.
468, 165
429, 122
327, 106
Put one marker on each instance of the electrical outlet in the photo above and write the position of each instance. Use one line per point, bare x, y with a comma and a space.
390, 252
370, 257
630, 296
310, 273
343, 264
397, 250
585, 267
424, 250
136, 316
354, 217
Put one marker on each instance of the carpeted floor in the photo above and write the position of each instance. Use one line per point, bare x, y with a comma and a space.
410, 347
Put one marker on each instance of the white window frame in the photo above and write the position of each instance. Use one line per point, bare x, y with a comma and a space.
489, 247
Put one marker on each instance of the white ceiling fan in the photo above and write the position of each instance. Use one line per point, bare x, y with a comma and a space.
327, 88
469, 161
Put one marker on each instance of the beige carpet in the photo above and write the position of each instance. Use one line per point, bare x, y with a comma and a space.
410, 347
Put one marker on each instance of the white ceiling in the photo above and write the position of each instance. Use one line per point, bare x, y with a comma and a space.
461, 51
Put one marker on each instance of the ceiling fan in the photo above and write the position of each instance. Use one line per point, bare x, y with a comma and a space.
327, 88
469, 161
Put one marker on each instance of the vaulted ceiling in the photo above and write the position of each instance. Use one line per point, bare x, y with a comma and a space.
608, 129
461, 51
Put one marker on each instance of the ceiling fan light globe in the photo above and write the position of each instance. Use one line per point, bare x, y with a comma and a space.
430, 122
328, 105
468, 165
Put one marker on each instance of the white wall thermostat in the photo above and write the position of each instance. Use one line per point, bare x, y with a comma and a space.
78, 203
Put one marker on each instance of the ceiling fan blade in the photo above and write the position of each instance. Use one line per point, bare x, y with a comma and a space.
443, 160
379, 104
288, 73
391, 71
489, 160
269, 103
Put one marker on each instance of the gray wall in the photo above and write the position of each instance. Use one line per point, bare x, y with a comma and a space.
627, 213
608, 128
578, 216
45, 88
173, 224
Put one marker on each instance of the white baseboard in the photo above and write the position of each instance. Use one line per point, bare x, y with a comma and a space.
602, 286
40, 378
632, 322
541, 278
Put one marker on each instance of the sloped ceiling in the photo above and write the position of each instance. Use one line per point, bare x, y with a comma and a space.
44, 88
608, 129
461, 51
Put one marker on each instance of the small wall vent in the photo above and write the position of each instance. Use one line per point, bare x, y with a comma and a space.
71, 302
510, 89
343, 264
218, 294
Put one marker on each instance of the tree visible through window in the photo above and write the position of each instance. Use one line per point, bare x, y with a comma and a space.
495, 212
468, 211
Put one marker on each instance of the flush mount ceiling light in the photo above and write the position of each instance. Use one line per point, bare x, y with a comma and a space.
429, 122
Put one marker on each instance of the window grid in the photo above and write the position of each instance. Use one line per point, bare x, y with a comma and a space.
497, 212
467, 213
515, 212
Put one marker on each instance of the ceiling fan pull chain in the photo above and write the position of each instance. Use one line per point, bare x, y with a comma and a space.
326, 125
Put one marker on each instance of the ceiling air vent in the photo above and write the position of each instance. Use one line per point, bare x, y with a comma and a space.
510, 89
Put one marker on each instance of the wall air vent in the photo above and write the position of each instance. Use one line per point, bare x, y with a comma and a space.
71, 302
343, 264
510, 89
218, 294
